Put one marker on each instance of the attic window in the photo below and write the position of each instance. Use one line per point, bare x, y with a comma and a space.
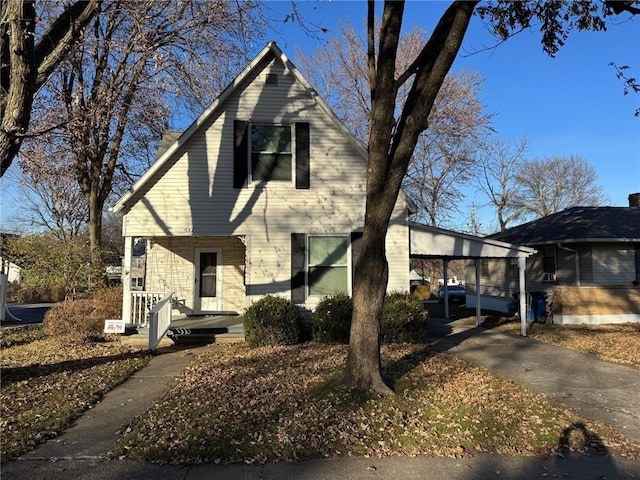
264, 152
270, 152
272, 79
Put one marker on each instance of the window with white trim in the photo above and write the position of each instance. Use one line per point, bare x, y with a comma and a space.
328, 265
271, 154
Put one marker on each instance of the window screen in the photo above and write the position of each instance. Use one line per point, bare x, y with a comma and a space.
328, 265
270, 152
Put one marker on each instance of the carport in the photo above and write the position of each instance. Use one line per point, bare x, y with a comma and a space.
426, 242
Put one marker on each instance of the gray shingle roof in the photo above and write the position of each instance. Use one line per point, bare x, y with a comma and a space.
578, 224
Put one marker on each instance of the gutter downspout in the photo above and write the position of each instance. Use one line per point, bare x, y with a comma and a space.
577, 260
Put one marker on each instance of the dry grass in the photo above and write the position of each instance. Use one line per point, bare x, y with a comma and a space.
619, 343
47, 383
237, 404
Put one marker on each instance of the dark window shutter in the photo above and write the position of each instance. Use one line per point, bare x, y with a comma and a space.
302, 155
356, 242
240, 153
298, 248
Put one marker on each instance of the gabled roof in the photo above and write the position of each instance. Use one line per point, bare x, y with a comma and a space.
270, 49
578, 225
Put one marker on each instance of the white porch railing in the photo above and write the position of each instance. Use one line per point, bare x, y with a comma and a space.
141, 305
159, 321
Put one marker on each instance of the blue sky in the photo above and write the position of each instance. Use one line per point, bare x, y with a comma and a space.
571, 104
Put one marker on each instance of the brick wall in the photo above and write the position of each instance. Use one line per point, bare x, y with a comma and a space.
596, 304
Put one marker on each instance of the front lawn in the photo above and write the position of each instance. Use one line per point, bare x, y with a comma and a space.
47, 383
619, 343
241, 404
238, 404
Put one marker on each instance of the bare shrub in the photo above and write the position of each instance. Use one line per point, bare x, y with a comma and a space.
82, 321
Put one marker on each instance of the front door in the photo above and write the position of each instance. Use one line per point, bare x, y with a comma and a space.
208, 281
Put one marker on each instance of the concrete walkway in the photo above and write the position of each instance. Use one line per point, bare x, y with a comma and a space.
599, 390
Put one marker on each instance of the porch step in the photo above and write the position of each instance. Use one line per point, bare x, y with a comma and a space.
141, 340
206, 338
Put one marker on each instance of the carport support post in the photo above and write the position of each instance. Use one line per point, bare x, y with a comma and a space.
445, 276
476, 263
522, 266
126, 279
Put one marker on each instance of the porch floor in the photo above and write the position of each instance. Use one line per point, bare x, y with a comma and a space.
201, 329
228, 323
206, 329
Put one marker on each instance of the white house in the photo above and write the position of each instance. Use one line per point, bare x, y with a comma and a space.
263, 194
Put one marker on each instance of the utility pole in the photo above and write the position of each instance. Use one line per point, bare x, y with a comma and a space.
474, 224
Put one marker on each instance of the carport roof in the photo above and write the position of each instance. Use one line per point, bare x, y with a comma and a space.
434, 242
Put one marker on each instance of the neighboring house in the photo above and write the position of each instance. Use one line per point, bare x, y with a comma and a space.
263, 194
587, 263
137, 267
7, 267
12, 271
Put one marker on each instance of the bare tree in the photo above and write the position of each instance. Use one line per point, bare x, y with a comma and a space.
136, 62
393, 139
26, 64
499, 162
550, 185
51, 197
442, 162
444, 157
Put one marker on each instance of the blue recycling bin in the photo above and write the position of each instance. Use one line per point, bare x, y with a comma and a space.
537, 306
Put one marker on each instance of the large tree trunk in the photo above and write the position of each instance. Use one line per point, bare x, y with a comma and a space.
25, 67
362, 371
18, 76
391, 145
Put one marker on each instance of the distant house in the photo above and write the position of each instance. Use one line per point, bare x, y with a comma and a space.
587, 263
137, 267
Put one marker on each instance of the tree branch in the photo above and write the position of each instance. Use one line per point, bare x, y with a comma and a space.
59, 37
619, 7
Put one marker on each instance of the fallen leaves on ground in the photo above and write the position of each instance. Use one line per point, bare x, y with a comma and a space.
47, 383
238, 404
619, 343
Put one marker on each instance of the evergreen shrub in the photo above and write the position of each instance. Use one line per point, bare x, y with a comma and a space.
404, 319
332, 319
272, 321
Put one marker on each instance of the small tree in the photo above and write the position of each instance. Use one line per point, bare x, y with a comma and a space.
51, 265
